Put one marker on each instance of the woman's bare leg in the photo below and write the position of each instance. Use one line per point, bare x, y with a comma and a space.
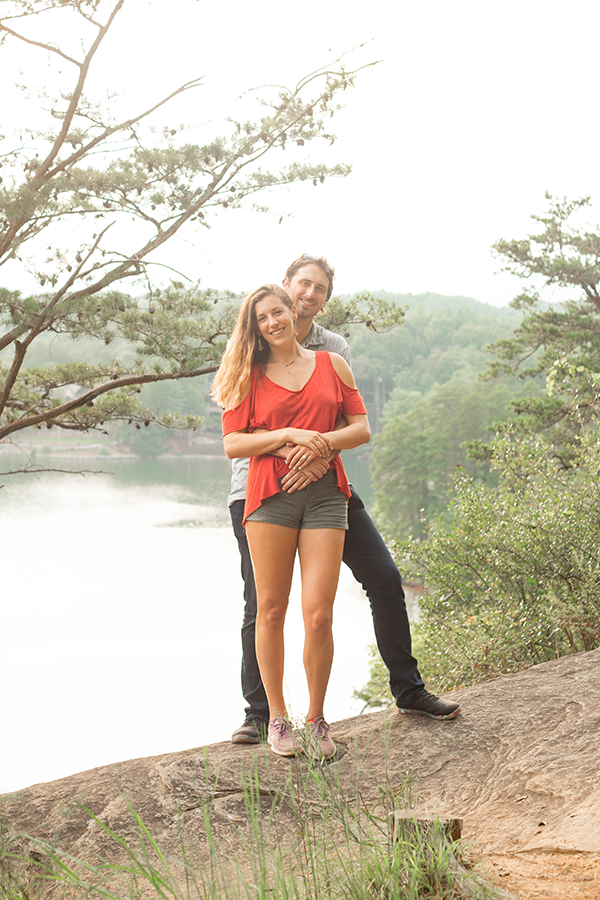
273, 550
320, 551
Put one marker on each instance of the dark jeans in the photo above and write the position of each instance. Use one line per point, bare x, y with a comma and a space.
371, 563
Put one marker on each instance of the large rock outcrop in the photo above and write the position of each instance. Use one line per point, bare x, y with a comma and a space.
520, 766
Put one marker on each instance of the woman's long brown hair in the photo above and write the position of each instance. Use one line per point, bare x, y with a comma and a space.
243, 350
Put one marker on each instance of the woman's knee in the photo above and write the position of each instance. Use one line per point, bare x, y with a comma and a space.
272, 616
318, 623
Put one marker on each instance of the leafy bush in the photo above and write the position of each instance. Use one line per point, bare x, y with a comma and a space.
514, 579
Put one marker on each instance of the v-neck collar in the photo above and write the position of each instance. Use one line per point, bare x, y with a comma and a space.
291, 391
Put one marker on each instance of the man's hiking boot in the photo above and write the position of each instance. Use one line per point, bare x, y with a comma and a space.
426, 704
253, 731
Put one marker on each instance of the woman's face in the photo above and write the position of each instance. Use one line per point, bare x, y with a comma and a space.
275, 320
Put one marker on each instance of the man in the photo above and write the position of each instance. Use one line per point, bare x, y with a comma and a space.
309, 282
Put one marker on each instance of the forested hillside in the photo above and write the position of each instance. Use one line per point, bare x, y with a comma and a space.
425, 399
441, 337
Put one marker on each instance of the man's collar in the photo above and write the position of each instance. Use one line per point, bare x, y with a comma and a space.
314, 336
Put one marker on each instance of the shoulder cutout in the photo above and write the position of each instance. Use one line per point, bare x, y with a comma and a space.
342, 369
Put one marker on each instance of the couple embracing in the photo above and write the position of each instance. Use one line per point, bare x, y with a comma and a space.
291, 405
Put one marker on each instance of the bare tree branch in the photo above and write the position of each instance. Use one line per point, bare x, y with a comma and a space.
41, 44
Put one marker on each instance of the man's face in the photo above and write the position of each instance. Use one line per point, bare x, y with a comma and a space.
308, 289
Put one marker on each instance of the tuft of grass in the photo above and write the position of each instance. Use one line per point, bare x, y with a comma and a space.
313, 838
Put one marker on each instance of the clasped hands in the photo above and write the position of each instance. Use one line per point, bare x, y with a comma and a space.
308, 460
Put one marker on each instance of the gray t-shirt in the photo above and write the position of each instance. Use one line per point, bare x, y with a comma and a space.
318, 338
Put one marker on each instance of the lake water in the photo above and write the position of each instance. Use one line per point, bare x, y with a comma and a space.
121, 610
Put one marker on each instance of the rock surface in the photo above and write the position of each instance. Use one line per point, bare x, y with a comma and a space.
520, 766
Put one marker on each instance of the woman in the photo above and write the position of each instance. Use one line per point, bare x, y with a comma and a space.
283, 408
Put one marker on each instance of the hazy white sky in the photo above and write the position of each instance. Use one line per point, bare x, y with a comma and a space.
473, 112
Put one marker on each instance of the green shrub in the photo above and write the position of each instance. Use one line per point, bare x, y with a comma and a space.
514, 579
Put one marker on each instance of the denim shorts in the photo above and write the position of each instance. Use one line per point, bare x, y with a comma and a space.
319, 505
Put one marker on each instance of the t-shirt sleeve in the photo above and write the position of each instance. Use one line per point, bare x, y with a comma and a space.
341, 346
238, 418
352, 402
335, 343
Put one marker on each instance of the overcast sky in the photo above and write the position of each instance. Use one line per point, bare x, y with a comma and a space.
473, 112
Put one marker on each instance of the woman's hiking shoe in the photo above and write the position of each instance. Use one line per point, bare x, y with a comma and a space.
320, 745
253, 731
280, 737
426, 704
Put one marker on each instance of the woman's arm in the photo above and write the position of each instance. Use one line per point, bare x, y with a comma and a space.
356, 432
239, 444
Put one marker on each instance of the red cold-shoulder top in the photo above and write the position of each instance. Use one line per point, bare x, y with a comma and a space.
317, 406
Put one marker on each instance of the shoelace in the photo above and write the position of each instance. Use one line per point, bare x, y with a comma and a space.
319, 729
427, 697
280, 727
